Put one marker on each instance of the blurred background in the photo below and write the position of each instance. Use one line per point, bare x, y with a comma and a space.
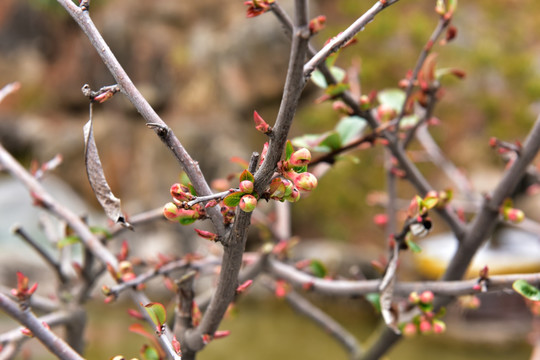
205, 68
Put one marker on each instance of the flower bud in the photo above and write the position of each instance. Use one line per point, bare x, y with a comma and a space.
246, 186
425, 326
171, 211
294, 196
180, 192
426, 297
439, 326
414, 298
248, 203
514, 215
305, 181
409, 329
300, 157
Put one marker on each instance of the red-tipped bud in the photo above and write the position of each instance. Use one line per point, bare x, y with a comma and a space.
260, 124
427, 297
27, 332
409, 329
176, 345
220, 334
206, 234
248, 203
171, 211
439, 326
385, 113
246, 186
305, 181
300, 157
243, 287
380, 220
317, 24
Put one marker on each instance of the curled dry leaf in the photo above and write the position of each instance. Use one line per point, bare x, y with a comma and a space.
96, 177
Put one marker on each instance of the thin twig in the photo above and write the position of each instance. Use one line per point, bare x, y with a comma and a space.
53, 343
340, 40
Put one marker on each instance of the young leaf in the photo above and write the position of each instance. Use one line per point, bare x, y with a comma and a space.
157, 312
149, 353
233, 199
374, 300
413, 246
394, 98
332, 141
68, 240
317, 268
318, 79
246, 175
526, 290
289, 150
350, 127
96, 177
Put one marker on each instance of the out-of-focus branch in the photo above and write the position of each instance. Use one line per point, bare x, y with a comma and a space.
190, 166
53, 343
184, 310
326, 322
45, 200
340, 40
18, 230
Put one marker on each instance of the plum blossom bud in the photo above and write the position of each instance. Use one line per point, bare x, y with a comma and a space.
515, 215
409, 329
414, 298
439, 326
171, 212
305, 181
300, 157
248, 203
425, 326
180, 192
426, 297
294, 196
246, 186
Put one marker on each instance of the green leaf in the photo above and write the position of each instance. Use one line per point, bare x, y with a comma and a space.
246, 175
409, 121
311, 142
330, 61
413, 246
149, 353
374, 299
289, 150
337, 89
68, 240
300, 169
317, 268
430, 202
186, 221
350, 127
332, 141
157, 312
318, 78
526, 290
101, 231
393, 98
233, 199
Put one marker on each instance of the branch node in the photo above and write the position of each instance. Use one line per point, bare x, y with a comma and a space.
85, 5
160, 129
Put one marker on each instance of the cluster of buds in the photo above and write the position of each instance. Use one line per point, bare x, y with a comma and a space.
295, 177
177, 210
510, 213
427, 322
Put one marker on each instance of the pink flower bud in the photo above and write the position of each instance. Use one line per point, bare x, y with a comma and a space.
248, 203
515, 215
425, 326
300, 157
180, 192
409, 329
426, 297
171, 212
385, 113
305, 181
246, 186
380, 220
439, 326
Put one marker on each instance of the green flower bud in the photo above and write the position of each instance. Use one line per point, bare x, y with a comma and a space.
248, 203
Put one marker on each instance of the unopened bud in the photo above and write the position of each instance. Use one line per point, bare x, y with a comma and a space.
171, 211
300, 157
305, 181
424, 326
409, 329
246, 186
439, 326
426, 297
248, 203
180, 192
